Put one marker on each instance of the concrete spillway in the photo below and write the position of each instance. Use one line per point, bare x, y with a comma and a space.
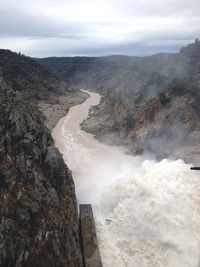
90, 247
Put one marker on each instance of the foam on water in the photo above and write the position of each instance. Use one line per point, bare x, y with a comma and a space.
155, 217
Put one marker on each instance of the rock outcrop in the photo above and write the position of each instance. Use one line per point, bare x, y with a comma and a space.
38, 213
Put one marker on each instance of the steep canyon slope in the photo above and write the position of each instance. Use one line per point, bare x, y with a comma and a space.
38, 214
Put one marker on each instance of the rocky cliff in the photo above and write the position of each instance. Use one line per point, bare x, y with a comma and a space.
38, 213
159, 115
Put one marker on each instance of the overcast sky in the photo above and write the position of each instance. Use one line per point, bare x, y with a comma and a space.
43, 28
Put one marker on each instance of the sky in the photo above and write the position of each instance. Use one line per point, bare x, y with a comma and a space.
42, 28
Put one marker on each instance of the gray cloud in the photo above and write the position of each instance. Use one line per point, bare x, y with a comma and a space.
91, 27
177, 8
19, 23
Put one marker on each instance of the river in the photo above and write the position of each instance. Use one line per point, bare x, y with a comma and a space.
147, 212
94, 165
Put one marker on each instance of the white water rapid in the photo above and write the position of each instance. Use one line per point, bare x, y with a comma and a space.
147, 213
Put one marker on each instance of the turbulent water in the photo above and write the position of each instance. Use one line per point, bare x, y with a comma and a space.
147, 212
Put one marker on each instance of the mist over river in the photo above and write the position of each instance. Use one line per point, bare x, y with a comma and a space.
153, 207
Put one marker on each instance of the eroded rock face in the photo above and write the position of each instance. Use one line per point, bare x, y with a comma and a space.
39, 223
159, 114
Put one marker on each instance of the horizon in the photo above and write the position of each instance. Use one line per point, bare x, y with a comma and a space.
98, 28
111, 55
101, 56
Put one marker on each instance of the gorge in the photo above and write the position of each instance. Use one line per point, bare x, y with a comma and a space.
127, 142
149, 104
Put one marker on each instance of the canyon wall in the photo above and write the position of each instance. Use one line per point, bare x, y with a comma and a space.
39, 223
149, 104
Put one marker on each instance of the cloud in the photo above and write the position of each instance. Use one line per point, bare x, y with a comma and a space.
91, 27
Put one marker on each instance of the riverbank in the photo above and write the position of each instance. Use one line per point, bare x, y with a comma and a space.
53, 112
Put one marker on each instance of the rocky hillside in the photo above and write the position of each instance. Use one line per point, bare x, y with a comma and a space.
149, 104
39, 84
104, 74
33, 80
38, 213
160, 114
